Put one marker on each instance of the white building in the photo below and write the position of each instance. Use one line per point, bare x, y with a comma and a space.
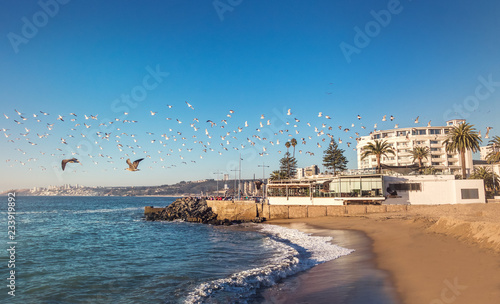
374, 189
483, 151
405, 139
307, 171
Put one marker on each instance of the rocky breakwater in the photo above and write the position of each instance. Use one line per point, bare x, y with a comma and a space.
190, 210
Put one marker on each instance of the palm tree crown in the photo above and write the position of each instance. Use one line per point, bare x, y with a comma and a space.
378, 148
460, 139
419, 153
494, 155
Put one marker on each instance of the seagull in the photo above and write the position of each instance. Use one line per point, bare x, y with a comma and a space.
71, 160
392, 118
133, 166
429, 123
289, 112
384, 118
359, 117
487, 135
189, 105
416, 119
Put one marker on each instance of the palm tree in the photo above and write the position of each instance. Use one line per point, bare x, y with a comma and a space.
494, 155
489, 177
287, 145
460, 139
293, 142
277, 175
377, 148
419, 153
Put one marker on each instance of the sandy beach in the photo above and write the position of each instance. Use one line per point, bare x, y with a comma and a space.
436, 254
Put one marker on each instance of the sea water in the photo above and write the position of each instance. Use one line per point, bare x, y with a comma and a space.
101, 250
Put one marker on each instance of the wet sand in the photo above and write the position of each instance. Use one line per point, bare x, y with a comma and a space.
436, 255
352, 279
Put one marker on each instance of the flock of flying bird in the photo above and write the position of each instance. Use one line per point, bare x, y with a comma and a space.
219, 136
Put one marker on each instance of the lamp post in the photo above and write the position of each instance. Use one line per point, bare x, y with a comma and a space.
218, 172
263, 179
239, 180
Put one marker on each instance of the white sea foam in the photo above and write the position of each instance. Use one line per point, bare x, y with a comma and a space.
295, 251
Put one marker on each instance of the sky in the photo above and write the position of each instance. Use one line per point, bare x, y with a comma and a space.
119, 61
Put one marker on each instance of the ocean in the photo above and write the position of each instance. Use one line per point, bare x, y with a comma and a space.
101, 250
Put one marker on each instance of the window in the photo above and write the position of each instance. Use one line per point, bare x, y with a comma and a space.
470, 193
435, 149
421, 132
406, 187
435, 164
401, 133
376, 136
435, 131
434, 142
435, 156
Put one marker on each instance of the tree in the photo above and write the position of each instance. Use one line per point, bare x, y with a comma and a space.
287, 145
293, 142
333, 158
277, 175
494, 155
288, 165
460, 139
419, 153
490, 178
430, 171
378, 148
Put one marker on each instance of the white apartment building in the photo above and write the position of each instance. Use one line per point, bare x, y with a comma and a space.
307, 172
484, 151
403, 140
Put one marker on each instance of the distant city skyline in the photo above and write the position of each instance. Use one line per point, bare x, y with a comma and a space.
145, 64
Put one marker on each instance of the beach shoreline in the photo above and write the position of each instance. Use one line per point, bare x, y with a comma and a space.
434, 255
352, 278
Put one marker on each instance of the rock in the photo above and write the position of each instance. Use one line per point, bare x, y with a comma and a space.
187, 209
193, 210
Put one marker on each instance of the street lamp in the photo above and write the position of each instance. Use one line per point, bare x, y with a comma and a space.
239, 180
263, 179
218, 172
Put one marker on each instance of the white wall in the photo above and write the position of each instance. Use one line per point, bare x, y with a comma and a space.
273, 200
435, 190
469, 184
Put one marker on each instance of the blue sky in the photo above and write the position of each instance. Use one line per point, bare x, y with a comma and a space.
253, 57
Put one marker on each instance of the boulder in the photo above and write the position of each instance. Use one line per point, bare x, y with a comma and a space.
188, 209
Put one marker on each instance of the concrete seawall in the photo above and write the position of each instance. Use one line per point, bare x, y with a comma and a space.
249, 210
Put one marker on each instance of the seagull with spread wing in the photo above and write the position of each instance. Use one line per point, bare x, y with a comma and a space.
133, 166
71, 160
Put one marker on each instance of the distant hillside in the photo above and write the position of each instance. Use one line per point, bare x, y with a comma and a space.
180, 189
